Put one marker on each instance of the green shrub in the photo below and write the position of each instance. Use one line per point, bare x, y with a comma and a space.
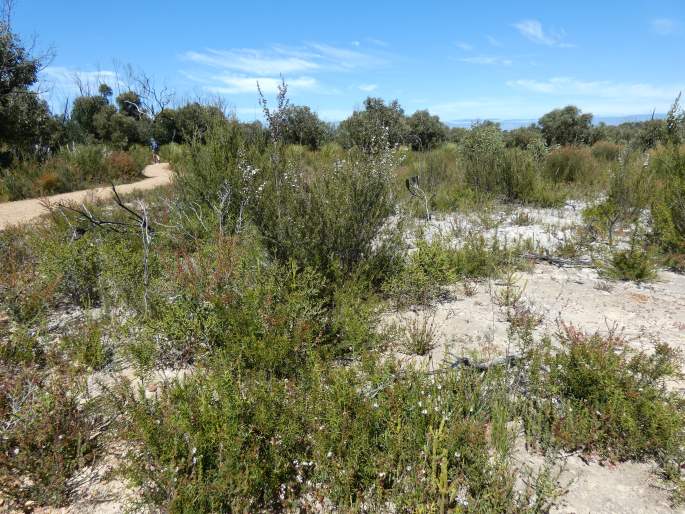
570, 164
49, 433
630, 189
439, 263
76, 268
668, 200
635, 264
482, 149
607, 151
85, 347
225, 440
334, 217
595, 395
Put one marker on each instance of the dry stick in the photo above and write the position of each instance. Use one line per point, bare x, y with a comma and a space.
140, 221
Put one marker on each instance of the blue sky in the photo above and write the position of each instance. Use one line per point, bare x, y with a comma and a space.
497, 60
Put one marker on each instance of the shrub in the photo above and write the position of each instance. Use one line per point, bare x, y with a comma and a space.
482, 149
606, 150
332, 218
224, 440
437, 263
570, 164
567, 126
122, 166
668, 201
630, 188
595, 395
635, 264
425, 131
49, 433
76, 268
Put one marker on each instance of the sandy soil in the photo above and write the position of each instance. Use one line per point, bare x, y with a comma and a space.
23, 211
475, 325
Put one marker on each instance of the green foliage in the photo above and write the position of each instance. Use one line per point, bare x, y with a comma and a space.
24, 118
193, 120
85, 347
49, 433
675, 123
594, 395
376, 122
668, 200
570, 164
303, 127
630, 188
438, 263
425, 131
567, 126
635, 263
228, 440
333, 217
523, 137
605, 150
81, 167
482, 149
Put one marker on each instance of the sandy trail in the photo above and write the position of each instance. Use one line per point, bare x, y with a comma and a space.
24, 211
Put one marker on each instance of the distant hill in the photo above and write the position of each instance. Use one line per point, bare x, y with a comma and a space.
516, 123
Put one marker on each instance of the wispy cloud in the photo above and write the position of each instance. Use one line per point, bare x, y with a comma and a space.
665, 26
463, 46
231, 85
70, 76
603, 88
533, 31
378, 42
487, 60
252, 61
493, 41
237, 70
603, 95
368, 87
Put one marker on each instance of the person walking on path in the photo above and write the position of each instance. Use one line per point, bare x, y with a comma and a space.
154, 146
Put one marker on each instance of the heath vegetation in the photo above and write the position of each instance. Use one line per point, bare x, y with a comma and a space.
257, 282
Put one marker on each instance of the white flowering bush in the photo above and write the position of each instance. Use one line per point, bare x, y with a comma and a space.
329, 217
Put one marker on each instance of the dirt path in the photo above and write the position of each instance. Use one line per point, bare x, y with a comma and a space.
23, 211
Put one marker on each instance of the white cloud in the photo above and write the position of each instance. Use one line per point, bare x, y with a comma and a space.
251, 61
344, 58
378, 42
493, 41
233, 84
69, 77
665, 26
532, 30
368, 87
485, 59
603, 96
464, 46
237, 70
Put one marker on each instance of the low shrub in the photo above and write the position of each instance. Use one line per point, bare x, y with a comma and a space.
570, 164
439, 263
594, 395
226, 440
49, 433
607, 151
636, 264
82, 167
